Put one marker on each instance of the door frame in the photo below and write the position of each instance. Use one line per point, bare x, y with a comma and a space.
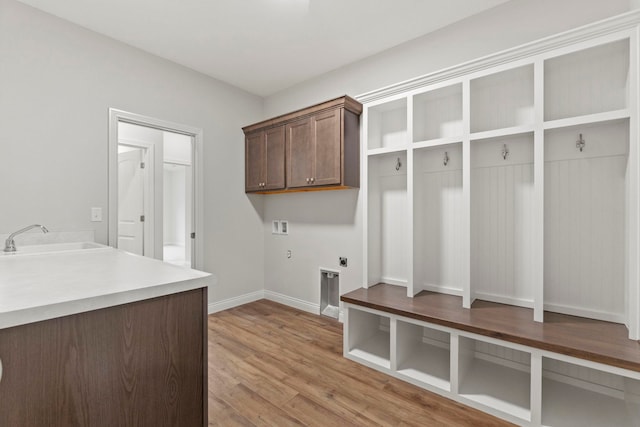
116, 116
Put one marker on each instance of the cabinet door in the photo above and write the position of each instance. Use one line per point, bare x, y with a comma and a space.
138, 364
299, 153
327, 158
254, 161
274, 161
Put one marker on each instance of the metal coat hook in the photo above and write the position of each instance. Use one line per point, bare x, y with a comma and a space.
580, 143
505, 152
446, 158
398, 164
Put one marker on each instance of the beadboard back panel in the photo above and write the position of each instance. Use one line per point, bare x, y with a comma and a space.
388, 229
438, 220
501, 220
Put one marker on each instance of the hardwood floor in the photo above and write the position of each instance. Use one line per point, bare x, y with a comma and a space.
271, 365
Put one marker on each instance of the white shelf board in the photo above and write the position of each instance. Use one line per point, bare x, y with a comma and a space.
386, 150
375, 350
500, 387
438, 142
588, 119
428, 364
498, 133
564, 405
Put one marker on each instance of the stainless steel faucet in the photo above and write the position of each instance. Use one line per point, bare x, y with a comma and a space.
10, 245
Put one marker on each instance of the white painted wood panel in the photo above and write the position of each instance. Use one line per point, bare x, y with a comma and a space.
502, 100
389, 240
439, 234
502, 220
387, 124
590, 81
438, 114
585, 237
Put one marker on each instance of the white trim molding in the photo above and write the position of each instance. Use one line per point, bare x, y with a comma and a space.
626, 21
226, 304
116, 116
292, 302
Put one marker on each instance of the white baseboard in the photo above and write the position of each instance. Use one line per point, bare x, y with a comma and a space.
292, 302
215, 307
226, 304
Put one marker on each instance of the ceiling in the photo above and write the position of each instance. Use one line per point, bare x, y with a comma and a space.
263, 46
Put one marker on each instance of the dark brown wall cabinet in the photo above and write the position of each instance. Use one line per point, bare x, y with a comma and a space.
317, 148
264, 168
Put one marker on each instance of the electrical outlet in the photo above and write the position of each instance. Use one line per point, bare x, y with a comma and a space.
343, 261
289, 254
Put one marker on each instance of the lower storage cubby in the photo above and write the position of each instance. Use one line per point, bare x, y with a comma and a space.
495, 376
369, 337
423, 354
580, 396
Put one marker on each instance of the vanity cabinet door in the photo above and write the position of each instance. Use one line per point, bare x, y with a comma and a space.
138, 364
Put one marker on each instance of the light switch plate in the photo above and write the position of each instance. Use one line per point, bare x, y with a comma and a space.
96, 214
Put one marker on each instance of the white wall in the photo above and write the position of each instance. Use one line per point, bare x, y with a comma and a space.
327, 225
57, 82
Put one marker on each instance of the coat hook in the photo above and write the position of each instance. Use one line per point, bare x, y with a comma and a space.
398, 164
580, 143
505, 151
446, 158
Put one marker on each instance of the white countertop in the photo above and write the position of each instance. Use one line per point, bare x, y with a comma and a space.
38, 287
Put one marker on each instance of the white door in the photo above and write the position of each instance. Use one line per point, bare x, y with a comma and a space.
131, 200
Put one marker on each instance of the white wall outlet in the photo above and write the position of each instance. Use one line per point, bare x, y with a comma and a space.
96, 214
289, 253
284, 227
275, 227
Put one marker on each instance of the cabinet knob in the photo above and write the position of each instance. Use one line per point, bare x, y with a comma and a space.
313, 179
308, 180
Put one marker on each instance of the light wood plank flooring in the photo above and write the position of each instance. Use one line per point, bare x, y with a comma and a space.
271, 365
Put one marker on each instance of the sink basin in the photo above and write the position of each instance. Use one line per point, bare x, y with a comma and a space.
55, 247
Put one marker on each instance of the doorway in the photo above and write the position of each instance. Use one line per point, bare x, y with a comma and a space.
155, 191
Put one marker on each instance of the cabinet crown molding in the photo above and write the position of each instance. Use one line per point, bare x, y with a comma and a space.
345, 102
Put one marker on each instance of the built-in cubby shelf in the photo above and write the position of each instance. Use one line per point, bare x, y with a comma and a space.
369, 338
498, 360
513, 180
387, 124
423, 354
437, 114
587, 81
495, 376
502, 99
574, 395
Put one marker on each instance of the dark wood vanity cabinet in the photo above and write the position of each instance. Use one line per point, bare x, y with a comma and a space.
322, 148
264, 159
137, 364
